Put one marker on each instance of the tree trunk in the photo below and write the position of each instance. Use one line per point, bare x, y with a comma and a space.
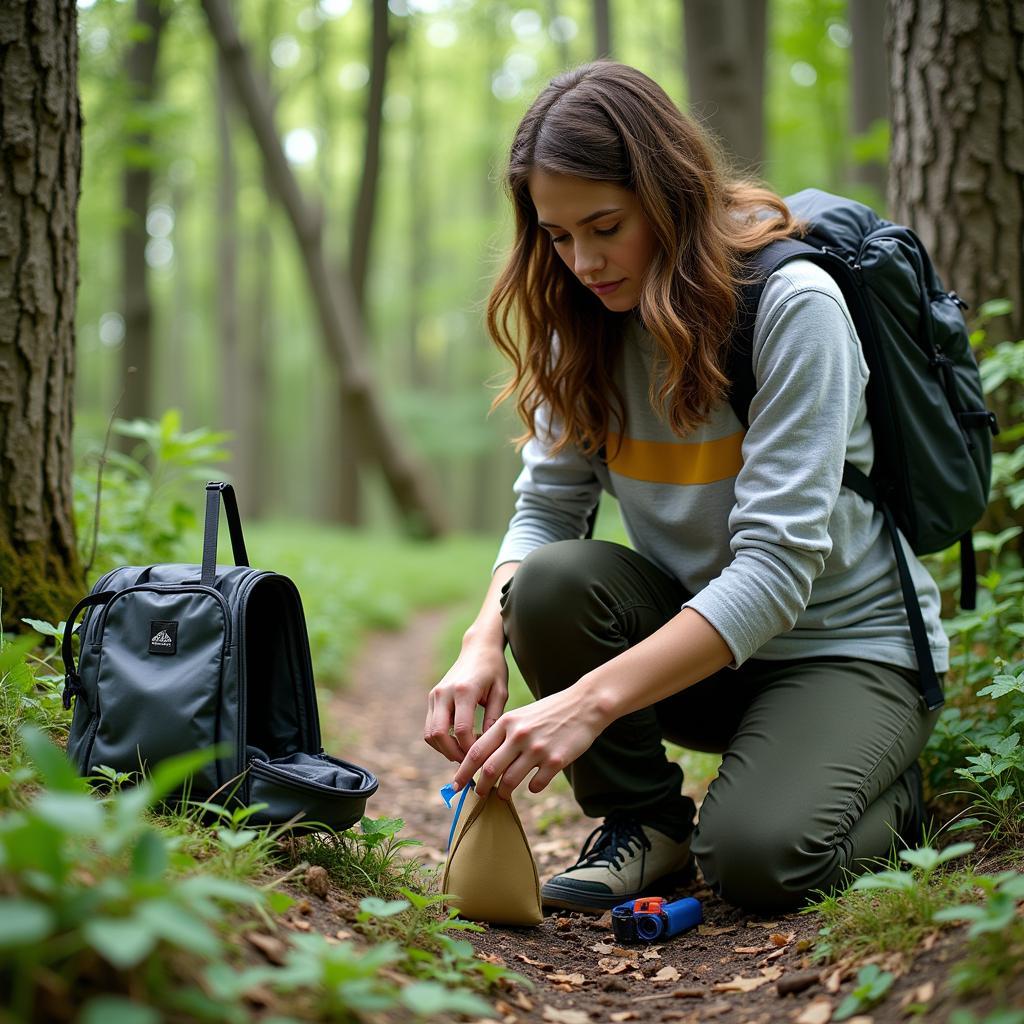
725, 57
137, 354
226, 217
419, 220
40, 170
869, 82
341, 324
345, 504
956, 171
602, 29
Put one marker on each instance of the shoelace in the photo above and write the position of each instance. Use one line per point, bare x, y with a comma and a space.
616, 834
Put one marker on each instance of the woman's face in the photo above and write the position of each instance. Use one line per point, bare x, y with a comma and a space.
599, 231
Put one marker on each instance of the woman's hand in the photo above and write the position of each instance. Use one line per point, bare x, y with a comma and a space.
546, 735
478, 677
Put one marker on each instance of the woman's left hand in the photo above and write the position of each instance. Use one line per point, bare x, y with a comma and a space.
546, 735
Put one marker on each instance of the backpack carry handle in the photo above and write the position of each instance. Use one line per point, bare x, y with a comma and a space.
216, 489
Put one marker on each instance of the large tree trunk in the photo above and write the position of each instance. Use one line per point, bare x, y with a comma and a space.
341, 324
40, 168
137, 354
345, 504
956, 171
725, 54
869, 82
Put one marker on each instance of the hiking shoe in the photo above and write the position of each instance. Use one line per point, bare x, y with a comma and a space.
621, 860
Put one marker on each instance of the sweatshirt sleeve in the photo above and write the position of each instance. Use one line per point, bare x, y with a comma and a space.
810, 375
555, 495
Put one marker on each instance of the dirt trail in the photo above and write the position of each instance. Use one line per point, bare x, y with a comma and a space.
729, 971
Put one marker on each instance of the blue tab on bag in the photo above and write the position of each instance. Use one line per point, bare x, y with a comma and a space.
448, 794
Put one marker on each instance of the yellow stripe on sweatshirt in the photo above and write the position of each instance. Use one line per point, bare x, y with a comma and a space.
676, 462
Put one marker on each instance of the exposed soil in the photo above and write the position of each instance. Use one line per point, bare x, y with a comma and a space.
730, 970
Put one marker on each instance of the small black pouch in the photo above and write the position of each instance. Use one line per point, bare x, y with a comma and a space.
323, 789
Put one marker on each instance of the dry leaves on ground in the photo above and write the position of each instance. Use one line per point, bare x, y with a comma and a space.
818, 1011
571, 980
741, 984
535, 963
557, 1016
666, 974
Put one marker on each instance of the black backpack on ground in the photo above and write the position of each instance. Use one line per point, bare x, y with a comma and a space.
176, 658
932, 432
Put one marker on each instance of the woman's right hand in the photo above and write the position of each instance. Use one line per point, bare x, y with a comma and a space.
478, 677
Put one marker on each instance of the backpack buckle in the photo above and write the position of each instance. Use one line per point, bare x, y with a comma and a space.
72, 688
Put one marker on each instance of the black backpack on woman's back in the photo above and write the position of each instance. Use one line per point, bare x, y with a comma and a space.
176, 658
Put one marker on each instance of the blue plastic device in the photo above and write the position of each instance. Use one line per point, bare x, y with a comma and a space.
651, 918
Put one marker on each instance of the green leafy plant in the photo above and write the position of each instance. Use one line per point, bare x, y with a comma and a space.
872, 985
996, 934
133, 509
89, 897
366, 860
892, 909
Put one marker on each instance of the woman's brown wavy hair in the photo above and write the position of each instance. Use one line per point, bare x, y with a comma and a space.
609, 122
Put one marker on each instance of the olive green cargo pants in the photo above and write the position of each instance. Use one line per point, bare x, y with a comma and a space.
818, 773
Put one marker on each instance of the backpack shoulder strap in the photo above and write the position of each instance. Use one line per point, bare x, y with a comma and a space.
760, 266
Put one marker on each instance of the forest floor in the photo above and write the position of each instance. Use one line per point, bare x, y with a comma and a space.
734, 969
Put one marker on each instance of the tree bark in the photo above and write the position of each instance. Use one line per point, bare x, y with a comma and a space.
341, 324
602, 29
956, 171
869, 82
137, 305
40, 171
345, 499
725, 58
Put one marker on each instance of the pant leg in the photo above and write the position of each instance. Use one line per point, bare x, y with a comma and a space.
812, 788
570, 607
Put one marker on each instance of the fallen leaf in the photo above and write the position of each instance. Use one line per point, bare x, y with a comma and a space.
566, 979
778, 939
613, 965
557, 1016
763, 924
666, 974
618, 1018
707, 929
929, 941
535, 963
860, 1019
270, 946
926, 992
651, 953
604, 948
343, 935
302, 926
637, 975
521, 1000
604, 921
559, 986
739, 984
491, 958
834, 980
751, 949
818, 1011
563, 924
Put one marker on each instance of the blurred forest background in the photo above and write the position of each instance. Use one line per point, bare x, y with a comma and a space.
395, 120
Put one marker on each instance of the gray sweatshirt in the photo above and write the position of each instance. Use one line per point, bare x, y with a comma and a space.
780, 559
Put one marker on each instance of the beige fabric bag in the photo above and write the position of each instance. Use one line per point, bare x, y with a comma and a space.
490, 873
